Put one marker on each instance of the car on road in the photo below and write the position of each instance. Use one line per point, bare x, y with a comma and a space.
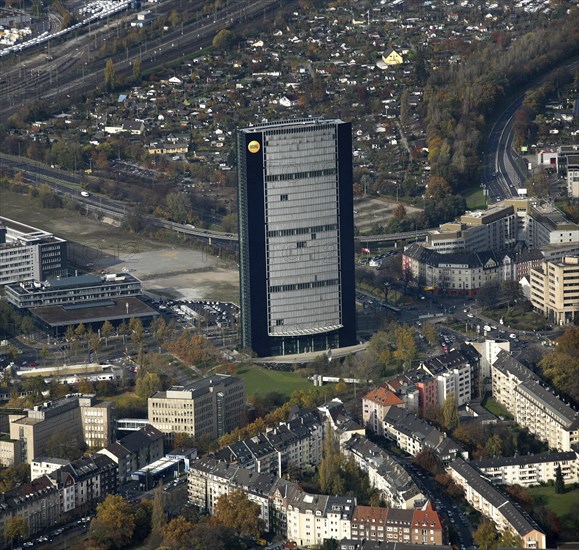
513, 336
85, 193
470, 315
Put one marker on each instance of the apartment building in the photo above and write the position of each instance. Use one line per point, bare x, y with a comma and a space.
297, 443
84, 482
491, 503
533, 405
453, 374
37, 503
375, 405
530, 470
419, 381
341, 423
58, 418
209, 478
396, 486
42, 466
412, 434
554, 289
29, 254
420, 526
134, 451
212, 406
349, 544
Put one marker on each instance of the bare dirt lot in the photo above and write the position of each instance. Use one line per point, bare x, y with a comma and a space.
172, 270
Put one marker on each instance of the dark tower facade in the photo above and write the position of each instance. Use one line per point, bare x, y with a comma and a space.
296, 236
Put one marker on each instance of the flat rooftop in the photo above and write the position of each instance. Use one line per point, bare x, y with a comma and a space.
111, 310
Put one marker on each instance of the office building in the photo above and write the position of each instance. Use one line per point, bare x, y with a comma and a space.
296, 236
555, 289
63, 419
212, 406
29, 254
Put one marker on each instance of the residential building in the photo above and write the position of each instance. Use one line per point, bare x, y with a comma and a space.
296, 444
491, 503
425, 386
60, 418
530, 470
389, 58
555, 289
42, 466
488, 351
296, 236
134, 451
209, 479
212, 406
29, 254
312, 519
37, 503
84, 482
453, 374
10, 452
420, 526
396, 486
375, 405
533, 405
349, 544
413, 434
453, 273
340, 422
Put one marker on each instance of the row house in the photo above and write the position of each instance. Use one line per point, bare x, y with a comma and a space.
309, 519
413, 434
84, 482
396, 486
296, 443
420, 526
340, 422
530, 470
210, 478
533, 405
37, 503
134, 451
71, 489
491, 503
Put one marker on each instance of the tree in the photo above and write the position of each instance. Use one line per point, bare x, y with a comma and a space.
137, 68
114, 523
510, 540
486, 536
559, 480
223, 40
107, 331
494, 446
110, 77
143, 520
16, 528
561, 366
158, 517
450, 412
236, 511
178, 533
147, 384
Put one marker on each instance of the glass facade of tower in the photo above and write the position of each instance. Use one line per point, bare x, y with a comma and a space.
296, 236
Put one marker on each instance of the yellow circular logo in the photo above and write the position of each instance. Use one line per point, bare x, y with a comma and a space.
253, 146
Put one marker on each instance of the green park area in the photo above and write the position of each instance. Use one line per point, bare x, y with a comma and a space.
560, 503
494, 407
261, 381
475, 200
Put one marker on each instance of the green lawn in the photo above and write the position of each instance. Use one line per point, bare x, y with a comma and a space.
561, 504
491, 405
261, 381
475, 199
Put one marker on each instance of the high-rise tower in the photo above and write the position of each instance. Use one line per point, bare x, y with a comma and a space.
296, 236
